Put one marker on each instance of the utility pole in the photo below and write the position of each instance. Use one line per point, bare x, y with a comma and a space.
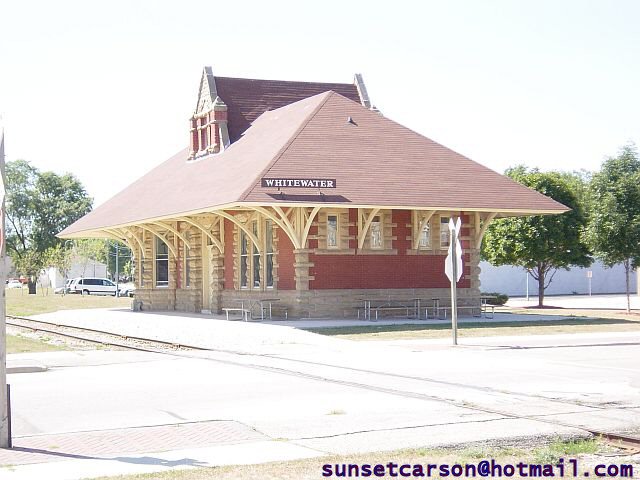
4, 411
117, 269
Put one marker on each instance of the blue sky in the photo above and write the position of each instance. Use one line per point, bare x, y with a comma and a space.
104, 89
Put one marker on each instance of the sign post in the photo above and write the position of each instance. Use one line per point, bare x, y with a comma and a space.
453, 269
589, 276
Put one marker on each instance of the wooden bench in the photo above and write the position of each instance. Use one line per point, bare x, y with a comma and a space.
245, 312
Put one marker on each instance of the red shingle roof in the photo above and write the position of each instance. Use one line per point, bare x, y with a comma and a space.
247, 99
375, 161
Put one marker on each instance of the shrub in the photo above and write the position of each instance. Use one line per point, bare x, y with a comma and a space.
501, 298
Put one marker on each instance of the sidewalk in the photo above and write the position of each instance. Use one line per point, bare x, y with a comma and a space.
92, 454
593, 302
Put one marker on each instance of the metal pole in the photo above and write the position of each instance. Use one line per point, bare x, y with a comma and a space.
4, 415
9, 434
454, 281
117, 270
527, 277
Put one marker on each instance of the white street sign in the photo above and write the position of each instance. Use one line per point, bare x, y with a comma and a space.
448, 267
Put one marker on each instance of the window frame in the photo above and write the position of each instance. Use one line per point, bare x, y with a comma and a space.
444, 221
257, 257
380, 226
336, 246
429, 237
156, 260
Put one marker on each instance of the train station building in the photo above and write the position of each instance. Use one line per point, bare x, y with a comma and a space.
304, 193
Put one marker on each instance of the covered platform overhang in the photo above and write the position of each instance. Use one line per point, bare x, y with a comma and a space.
294, 219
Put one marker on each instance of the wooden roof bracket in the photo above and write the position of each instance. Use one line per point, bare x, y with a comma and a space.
480, 231
174, 231
156, 233
219, 245
363, 230
232, 219
420, 222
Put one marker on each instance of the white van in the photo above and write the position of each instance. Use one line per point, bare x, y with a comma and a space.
92, 286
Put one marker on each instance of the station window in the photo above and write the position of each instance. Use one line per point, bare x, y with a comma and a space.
376, 232
187, 260
445, 235
269, 253
244, 260
162, 263
204, 134
425, 235
332, 231
256, 268
256, 258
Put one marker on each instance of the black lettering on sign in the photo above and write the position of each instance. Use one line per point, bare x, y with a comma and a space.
299, 182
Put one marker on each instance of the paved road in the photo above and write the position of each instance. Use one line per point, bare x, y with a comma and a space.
339, 396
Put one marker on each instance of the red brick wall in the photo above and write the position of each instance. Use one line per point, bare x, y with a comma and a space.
285, 259
383, 271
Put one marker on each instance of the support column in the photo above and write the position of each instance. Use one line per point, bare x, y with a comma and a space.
216, 278
173, 274
146, 262
469, 241
301, 265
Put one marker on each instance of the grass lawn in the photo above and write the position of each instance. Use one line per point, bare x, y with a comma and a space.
483, 329
21, 304
312, 468
20, 344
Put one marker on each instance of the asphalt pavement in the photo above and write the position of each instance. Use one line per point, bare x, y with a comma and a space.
298, 394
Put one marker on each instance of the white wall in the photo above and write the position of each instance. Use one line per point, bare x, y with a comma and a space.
512, 280
80, 268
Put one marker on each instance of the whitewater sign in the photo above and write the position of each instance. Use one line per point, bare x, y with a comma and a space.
299, 182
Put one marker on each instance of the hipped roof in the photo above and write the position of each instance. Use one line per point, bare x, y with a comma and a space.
375, 161
248, 98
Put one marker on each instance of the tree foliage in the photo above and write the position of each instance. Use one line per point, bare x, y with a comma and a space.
614, 229
38, 206
541, 244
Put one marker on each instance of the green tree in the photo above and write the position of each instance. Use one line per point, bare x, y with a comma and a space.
38, 206
541, 244
124, 258
95, 249
614, 228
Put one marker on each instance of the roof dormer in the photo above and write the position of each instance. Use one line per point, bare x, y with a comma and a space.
209, 133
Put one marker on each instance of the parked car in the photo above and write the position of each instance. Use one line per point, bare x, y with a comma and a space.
127, 290
14, 284
65, 288
92, 286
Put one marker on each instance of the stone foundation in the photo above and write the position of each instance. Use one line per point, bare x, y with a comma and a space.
306, 304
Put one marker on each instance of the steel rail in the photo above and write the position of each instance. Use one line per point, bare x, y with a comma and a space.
617, 439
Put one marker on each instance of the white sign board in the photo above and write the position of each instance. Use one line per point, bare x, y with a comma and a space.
448, 266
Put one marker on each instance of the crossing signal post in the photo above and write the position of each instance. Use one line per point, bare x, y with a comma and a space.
453, 269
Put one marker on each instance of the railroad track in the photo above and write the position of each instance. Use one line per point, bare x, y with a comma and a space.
630, 443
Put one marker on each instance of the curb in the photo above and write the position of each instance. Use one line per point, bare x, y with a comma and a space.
27, 369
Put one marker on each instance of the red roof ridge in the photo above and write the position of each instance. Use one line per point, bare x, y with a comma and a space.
292, 139
306, 82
